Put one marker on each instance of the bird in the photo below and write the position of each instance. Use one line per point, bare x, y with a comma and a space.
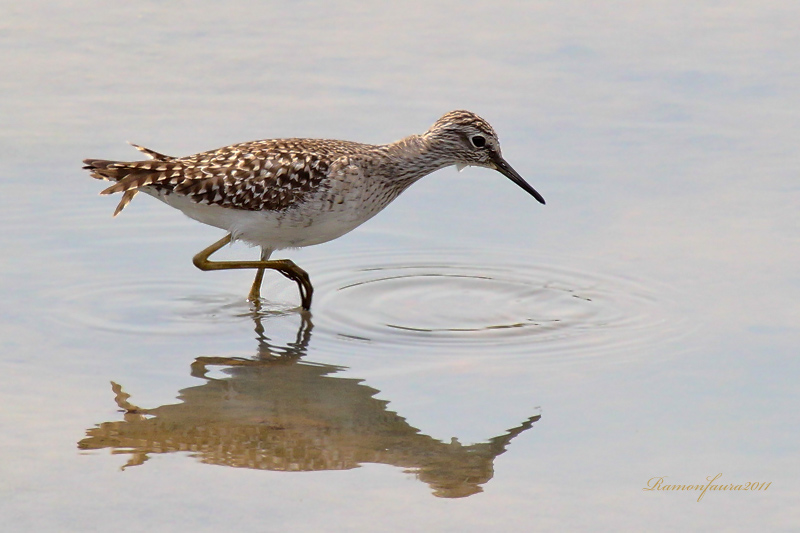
292, 193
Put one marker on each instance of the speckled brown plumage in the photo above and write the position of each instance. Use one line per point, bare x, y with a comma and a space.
252, 176
284, 193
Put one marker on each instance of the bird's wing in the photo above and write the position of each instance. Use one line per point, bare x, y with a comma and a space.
254, 176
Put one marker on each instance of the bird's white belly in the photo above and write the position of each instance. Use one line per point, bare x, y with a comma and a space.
313, 222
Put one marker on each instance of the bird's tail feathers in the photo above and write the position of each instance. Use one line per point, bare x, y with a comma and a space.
128, 176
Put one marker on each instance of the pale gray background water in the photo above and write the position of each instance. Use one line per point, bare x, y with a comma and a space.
656, 295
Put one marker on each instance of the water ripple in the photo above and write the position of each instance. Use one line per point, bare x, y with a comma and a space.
496, 304
493, 302
163, 307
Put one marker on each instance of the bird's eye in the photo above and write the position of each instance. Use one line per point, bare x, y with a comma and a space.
479, 141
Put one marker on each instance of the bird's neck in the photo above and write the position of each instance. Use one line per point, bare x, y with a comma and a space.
412, 158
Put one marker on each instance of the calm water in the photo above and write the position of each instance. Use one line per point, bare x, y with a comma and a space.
473, 360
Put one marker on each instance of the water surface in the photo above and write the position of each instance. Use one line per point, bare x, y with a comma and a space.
473, 360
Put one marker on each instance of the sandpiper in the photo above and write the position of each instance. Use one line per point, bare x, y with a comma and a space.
289, 193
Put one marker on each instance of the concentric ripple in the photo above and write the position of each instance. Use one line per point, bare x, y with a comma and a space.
451, 301
164, 307
490, 302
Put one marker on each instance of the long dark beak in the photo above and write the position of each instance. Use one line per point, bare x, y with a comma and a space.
505, 169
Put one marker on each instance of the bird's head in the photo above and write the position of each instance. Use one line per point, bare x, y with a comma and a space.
471, 141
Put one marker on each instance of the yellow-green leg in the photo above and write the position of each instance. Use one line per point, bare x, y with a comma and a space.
284, 266
255, 290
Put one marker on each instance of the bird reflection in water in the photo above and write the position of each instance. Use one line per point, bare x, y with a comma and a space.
277, 412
